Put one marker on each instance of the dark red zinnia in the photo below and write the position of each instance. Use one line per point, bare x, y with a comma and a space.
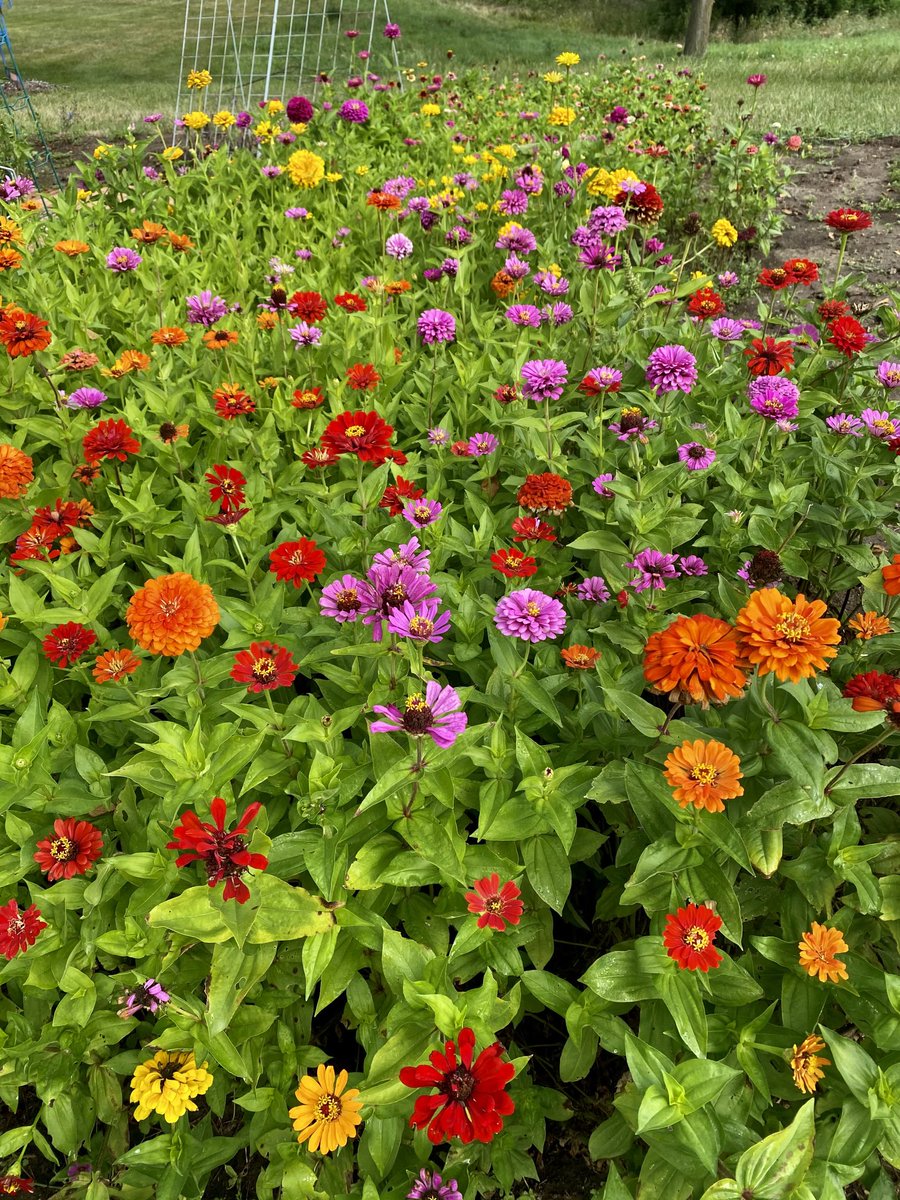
226, 486
296, 562
224, 853
872, 691
706, 303
847, 335
689, 935
766, 356
232, 401
364, 434
395, 497
513, 563
848, 220
307, 306
18, 928
496, 905
73, 849
350, 302
109, 439
362, 377
830, 310
471, 1098
644, 207
62, 517
66, 643
532, 529
264, 666
802, 270
316, 458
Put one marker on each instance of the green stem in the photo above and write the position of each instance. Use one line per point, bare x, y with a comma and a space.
867, 749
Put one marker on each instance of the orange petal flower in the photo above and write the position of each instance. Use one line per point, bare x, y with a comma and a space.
869, 625
113, 665
789, 637
171, 614
703, 774
695, 660
818, 950
890, 576
806, 1063
16, 472
72, 248
580, 658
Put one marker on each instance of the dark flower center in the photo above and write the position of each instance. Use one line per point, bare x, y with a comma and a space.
459, 1084
347, 600
697, 452
494, 905
421, 627
418, 716
328, 1108
394, 595
765, 567
63, 849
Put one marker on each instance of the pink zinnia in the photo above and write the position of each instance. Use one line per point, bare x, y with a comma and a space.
530, 615
435, 715
671, 369
544, 379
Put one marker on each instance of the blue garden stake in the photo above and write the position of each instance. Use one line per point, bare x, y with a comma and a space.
19, 112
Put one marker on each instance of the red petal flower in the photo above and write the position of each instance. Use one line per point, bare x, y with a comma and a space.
364, 434
362, 377
496, 904
706, 303
109, 439
688, 937
307, 306
513, 563
224, 853
226, 486
802, 270
66, 643
848, 220
532, 529
471, 1099
350, 302
264, 667
73, 850
848, 336
18, 930
394, 497
297, 562
766, 356
872, 691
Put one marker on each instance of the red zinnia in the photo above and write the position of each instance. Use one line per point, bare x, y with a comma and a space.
496, 904
66, 643
225, 853
308, 398
765, 356
471, 1099
350, 302
830, 310
395, 496
802, 270
109, 439
774, 278
592, 385
848, 336
73, 850
308, 306
513, 563
226, 486
643, 207
297, 562
532, 529
15, 1185
364, 434
706, 303
362, 377
689, 935
22, 333
848, 220
18, 930
264, 666
63, 517
33, 543
232, 401
872, 691
317, 458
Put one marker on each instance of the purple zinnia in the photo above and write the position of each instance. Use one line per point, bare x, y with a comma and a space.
354, 111
552, 285
480, 444
419, 622
696, 457
435, 325
513, 202
524, 315
149, 996
410, 554
205, 309
518, 238
270, 171
398, 246
618, 116
845, 425
435, 715
878, 424
671, 369
438, 436
450, 267
726, 329
86, 397
631, 426
299, 110
557, 314
457, 236
544, 379
342, 599
151, 173
728, 279
889, 374
608, 219
601, 379
386, 588
391, 31
692, 564
530, 615
593, 589
243, 120
655, 568
422, 512
121, 259
431, 1187
153, 118
597, 256
599, 486
515, 267
774, 397
296, 214
305, 335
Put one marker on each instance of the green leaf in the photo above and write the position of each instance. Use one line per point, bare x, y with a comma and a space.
773, 1167
856, 1068
680, 993
624, 976
548, 870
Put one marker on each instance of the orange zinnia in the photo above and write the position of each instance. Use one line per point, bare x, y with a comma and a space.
113, 665
869, 625
171, 614
890, 576
149, 232
580, 658
695, 660
168, 335
22, 333
16, 472
806, 1063
72, 247
218, 339
818, 950
703, 774
10, 260
789, 637
180, 241
10, 231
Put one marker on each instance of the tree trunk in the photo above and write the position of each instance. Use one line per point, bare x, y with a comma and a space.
697, 37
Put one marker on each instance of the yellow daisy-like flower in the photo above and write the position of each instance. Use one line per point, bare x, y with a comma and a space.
84, 194
430, 110
561, 115
327, 1115
196, 119
724, 233
273, 107
333, 177
306, 169
224, 119
167, 1084
198, 80
172, 153
608, 183
505, 150
362, 170
806, 1063
552, 77
568, 58
265, 132
480, 206
102, 150
298, 127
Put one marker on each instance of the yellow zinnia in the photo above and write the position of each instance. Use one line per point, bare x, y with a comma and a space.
568, 59
306, 169
197, 80
724, 233
172, 153
326, 1115
196, 120
608, 183
265, 132
224, 119
167, 1084
274, 106
430, 110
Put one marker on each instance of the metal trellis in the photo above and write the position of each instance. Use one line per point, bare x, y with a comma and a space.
23, 121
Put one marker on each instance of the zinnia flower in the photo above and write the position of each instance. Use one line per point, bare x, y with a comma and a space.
146, 997
497, 905
419, 622
171, 614
421, 513
364, 434
848, 220
435, 715
296, 562
695, 660
435, 325
696, 457
513, 563
223, 852
533, 529
671, 369
121, 259
110, 439
307, 170
689, 936
167, 1084
766, 356
654, 569
703, 774
890, 576
342, 599
23, 333
869, 625
73, 850
872, 691
16, 1185
66, 643
232, 401
806, 1063
86, 397
819, 948
18, 929
225, 486
848, 336
530, 615
545, 493
544, 379
362, 377
327, 1114
428, 1186
395, 497
789, 637
580, 658
471, 1098
264, 666
773, 397
205, 309
113, 665
16, 472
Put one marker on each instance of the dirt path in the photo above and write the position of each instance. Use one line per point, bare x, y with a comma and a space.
841, 175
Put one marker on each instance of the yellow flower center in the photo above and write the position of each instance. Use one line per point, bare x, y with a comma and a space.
416, 703
793, 628
355, 430
421, 627
421, 512
533, 609
704, 773
263, 668
328, 1108
493, 905
169, 608
882, 424
62, 849
696, 938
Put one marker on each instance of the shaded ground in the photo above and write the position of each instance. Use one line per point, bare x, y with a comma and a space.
860, 175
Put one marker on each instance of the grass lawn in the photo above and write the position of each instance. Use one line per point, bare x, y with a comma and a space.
115, 60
